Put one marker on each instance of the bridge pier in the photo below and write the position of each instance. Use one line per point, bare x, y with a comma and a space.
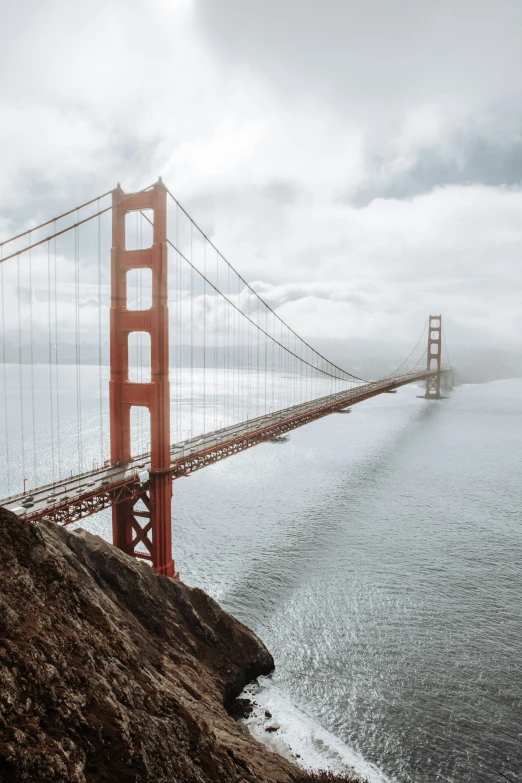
154, 536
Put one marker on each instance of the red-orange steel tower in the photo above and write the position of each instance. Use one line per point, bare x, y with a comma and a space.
155, 533
434, 357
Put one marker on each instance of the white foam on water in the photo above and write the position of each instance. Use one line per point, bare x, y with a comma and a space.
299, 737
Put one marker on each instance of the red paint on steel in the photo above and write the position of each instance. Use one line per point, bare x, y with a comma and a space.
86, 501
434, 357
155, 536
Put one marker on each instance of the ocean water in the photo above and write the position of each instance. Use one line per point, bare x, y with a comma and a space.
379, 556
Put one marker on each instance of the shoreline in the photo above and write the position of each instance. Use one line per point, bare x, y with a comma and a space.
286, 729
111, 671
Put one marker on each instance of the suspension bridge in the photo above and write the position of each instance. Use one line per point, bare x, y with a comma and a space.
134, 353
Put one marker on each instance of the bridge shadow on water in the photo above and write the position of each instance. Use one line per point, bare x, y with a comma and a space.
307, 546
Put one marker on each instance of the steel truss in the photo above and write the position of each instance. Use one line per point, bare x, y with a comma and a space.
127, 492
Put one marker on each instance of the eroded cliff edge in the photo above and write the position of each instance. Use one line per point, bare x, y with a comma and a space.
109, 672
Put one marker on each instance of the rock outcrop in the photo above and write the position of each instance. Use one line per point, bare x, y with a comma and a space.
110, 672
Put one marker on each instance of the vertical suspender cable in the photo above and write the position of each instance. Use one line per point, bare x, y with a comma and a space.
236, 361
239, 355
297, 380
216, 343
20, 370
241, 372
78, 351
309, 374
285, 360
205, 337
291, 345
232, 339
296, 372
57, 359
223, 346
266, 356
306, 368
235, 367
100, 391
249, 370
290, 369
50, 359
281, 359
258, 377
446, 347
143, 411
138, 344
31, 358
179, 426
273, 365
227, 352
175, 317
289, 365
191, 334
4, 365
180, 357
232, 352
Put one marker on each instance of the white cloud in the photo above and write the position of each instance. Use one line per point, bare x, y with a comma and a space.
269, 146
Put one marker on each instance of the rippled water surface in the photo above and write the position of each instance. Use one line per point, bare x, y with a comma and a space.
379, 556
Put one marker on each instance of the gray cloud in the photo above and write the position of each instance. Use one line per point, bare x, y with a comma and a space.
469, 161
360, 160
374, 57
281, 192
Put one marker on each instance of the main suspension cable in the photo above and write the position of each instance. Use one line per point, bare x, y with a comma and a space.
54, 220
412, 352
260, 328
419, 360
446, 346
315, 351
69, 228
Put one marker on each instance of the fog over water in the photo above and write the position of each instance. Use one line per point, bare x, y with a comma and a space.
378, 556
360, 165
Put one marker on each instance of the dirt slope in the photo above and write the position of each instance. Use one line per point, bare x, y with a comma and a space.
109, 672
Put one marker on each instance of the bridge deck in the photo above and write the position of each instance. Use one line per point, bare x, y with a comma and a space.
71, 499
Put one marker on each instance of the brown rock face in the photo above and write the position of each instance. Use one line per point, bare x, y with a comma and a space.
109, 672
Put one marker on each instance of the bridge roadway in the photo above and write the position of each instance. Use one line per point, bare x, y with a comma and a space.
71, 499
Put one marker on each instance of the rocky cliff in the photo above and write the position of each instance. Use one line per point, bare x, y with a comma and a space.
110, 672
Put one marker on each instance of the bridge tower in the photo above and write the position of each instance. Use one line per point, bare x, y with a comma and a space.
434, 357
130, 526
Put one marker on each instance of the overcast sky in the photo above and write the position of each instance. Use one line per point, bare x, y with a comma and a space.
360, 161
